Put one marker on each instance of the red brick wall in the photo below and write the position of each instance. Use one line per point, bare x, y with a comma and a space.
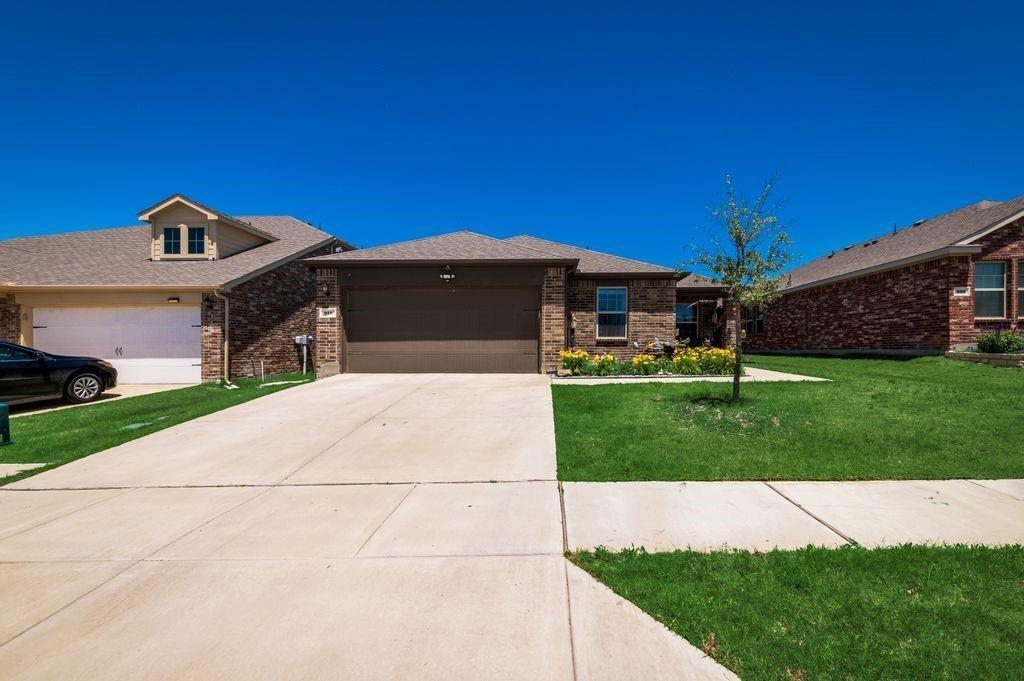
10, 320
1007, 245
650, 313
267, 312
552, 318
904, 309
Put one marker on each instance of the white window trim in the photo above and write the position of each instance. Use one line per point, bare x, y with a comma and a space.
1020, 288
183, 253
1002, 290
598, 313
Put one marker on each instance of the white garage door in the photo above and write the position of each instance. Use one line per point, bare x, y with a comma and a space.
146, 344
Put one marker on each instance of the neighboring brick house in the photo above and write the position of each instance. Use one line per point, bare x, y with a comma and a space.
923, 289
152, 298
468, 302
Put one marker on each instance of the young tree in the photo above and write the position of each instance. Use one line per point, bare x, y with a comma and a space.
748, 251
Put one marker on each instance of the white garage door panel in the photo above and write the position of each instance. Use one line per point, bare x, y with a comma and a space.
146, 344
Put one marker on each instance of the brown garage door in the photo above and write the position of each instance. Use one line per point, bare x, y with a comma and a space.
442, 330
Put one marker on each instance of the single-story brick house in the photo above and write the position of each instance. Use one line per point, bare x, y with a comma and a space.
166, 300
923, 289
468, 302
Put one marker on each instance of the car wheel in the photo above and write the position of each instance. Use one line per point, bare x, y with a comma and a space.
83, 388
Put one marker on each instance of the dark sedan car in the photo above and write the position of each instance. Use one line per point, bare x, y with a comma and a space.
28, 375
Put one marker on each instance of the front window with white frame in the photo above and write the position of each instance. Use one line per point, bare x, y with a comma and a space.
989, 290
611, 312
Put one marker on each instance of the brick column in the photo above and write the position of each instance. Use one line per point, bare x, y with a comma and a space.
212, 338
552, 318
329, 331
10, 320
729, 312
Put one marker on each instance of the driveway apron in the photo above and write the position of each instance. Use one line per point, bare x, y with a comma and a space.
360, 527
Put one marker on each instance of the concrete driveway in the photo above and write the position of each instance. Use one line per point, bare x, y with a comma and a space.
362, 527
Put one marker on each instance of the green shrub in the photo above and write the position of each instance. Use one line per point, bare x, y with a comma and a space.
1000, 342
576, 361
603, 365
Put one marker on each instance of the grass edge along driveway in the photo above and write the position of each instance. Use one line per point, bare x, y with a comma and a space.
905, 612
59, 437
922, 418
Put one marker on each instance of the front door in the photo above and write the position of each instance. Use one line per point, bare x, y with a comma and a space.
686, 323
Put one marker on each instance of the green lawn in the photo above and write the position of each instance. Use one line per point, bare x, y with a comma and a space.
910, 612
57, 437
879, 418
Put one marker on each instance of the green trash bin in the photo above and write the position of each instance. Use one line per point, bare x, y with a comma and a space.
5, 425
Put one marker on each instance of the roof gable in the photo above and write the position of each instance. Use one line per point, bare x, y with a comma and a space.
464, 246
952, 233
147, 214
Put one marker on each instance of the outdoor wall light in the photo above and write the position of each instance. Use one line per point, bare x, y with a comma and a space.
447, 275
208, 302
325, 288
174, 299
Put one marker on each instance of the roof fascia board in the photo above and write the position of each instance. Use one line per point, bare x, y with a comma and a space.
988, 230
894, 265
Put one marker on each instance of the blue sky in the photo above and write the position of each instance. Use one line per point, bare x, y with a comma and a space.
605, 125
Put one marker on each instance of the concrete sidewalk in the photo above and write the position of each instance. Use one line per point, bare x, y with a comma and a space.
705, 516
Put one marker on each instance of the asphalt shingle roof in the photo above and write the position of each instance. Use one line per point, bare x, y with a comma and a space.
915, 240
120, 256
453, 247
592, 262
692, 280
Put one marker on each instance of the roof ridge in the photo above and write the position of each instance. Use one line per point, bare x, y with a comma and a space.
591, 250
418, 239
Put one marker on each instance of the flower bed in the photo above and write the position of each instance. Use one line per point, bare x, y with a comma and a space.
699, 361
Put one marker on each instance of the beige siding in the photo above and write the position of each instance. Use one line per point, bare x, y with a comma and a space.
231, 240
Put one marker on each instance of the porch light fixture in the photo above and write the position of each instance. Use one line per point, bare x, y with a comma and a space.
174, 299
325, 288
207, 302
447, 275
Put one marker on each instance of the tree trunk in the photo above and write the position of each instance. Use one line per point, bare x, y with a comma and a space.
739, 356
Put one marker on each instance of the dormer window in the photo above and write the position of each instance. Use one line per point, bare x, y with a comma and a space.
196, 240
185, 230
172, 240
